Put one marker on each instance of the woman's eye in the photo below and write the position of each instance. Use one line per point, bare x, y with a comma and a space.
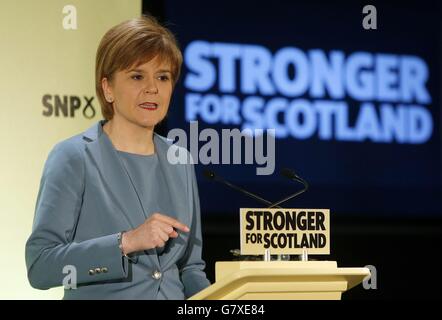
163, 78
137, 77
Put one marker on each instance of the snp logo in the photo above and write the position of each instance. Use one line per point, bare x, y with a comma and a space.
67, 106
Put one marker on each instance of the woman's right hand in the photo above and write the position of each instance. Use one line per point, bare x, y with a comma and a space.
152, 233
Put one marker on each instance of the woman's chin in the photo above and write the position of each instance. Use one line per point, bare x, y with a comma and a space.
148, 123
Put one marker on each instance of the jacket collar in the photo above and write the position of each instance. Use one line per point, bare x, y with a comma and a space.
94, 131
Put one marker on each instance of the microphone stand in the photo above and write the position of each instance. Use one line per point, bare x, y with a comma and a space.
286, 173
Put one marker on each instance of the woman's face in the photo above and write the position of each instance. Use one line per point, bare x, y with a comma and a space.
141, 95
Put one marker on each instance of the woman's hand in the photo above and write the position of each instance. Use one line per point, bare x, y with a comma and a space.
152, 233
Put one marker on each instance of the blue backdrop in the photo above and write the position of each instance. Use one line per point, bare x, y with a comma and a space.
356, 112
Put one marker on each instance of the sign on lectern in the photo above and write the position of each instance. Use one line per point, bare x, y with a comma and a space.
284, 231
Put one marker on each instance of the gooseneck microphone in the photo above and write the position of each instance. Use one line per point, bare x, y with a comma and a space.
290, 174
212, 176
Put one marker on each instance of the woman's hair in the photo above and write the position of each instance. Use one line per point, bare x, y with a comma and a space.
132, 43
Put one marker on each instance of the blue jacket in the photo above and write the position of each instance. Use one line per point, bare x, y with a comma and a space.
85, 199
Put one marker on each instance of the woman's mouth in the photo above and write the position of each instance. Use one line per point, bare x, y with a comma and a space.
148, 105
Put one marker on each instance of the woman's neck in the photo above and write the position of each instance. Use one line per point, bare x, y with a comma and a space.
129, 137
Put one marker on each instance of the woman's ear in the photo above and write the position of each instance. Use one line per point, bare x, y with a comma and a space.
107, 90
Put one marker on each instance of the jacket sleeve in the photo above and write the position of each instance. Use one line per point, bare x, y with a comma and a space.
192, 265
50, 250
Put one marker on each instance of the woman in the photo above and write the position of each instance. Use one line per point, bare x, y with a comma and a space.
110, 205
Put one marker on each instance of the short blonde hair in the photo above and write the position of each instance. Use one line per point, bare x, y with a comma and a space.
132, 43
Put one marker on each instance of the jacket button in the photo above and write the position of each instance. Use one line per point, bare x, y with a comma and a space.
156, 275
91, 272
104, 270
97, 270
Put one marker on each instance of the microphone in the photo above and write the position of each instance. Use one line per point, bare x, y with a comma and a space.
212, 176
290, 174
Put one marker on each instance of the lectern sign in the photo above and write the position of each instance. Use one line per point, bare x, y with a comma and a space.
285, 231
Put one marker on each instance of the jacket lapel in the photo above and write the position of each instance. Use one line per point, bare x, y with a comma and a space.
178, 187
106, 159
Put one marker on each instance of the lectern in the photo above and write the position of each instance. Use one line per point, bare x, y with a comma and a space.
282, 280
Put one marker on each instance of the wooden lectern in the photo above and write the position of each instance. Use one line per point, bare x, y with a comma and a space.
282, 280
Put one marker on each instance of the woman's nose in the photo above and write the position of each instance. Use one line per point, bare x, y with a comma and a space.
151, 87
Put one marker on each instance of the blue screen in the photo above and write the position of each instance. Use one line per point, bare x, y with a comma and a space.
355, 111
